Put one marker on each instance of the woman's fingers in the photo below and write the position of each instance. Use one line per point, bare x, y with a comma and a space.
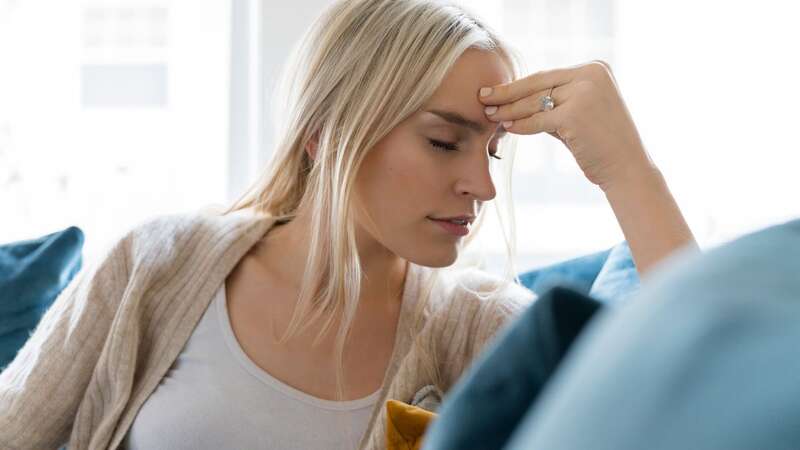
527, 106
524, 87
546, 121
589, 116
526, 114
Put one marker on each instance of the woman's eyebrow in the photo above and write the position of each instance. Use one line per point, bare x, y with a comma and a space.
457, 119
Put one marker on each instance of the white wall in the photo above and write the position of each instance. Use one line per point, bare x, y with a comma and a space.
713, 88
281, 26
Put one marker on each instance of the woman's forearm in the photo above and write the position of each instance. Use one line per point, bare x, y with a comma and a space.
649, 217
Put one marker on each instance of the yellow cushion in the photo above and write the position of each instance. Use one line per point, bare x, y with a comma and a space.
405, 425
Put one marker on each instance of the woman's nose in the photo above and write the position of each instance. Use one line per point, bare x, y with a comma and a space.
477, 181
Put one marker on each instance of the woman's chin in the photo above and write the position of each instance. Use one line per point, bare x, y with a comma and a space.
437, 260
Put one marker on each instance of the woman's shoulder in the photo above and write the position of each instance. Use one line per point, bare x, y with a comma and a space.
486, 292
165, 237
475, 304
472, 306
142, 240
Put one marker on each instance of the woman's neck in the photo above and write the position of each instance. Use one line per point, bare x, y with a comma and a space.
284, 249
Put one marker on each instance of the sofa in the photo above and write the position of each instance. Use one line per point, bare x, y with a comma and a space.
33, 272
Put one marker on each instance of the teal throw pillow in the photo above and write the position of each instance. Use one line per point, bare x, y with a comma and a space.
32, 274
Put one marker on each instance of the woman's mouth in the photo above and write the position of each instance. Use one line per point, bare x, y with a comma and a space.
456, 227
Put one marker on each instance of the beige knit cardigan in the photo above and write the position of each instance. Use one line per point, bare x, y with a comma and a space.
115, 330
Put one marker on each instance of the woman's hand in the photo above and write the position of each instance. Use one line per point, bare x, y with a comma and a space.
589, 117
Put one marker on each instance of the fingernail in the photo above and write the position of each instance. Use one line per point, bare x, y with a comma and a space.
490, 110
508, 123
486, 91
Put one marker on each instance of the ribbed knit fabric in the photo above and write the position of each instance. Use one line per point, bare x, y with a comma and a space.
116, 329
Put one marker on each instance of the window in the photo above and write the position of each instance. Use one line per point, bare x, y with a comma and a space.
712, 88
111, 112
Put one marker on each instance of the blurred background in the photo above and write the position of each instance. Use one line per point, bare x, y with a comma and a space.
112, 112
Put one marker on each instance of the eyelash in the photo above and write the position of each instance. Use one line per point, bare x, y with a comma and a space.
447, 147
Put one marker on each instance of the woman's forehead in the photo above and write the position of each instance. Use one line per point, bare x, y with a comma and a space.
473, 70
436, 115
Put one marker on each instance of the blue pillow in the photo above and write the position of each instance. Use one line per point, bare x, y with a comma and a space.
609, 276
484, 407
577, 273
618, 279
490, 399
704, 357
32, 274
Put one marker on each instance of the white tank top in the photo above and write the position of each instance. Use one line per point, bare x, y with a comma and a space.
215, 397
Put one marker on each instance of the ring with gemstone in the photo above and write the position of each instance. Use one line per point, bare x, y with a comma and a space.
547, 101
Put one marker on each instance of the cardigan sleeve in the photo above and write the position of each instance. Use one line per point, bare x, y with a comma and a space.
42, 388
497, 313
468, 316
475, 307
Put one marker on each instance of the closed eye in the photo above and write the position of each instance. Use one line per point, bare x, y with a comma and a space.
445, 146
448, 147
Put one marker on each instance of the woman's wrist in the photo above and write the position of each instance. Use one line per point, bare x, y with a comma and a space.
651, 220
638, 171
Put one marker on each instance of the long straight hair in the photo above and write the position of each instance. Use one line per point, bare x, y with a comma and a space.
363, 67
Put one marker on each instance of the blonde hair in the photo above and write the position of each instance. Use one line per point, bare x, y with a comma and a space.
362, 68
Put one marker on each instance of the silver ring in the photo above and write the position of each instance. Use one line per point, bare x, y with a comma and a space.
547, 102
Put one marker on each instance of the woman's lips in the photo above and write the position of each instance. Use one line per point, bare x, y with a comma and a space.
452, 228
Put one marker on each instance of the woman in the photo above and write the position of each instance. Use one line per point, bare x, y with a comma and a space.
215, 330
